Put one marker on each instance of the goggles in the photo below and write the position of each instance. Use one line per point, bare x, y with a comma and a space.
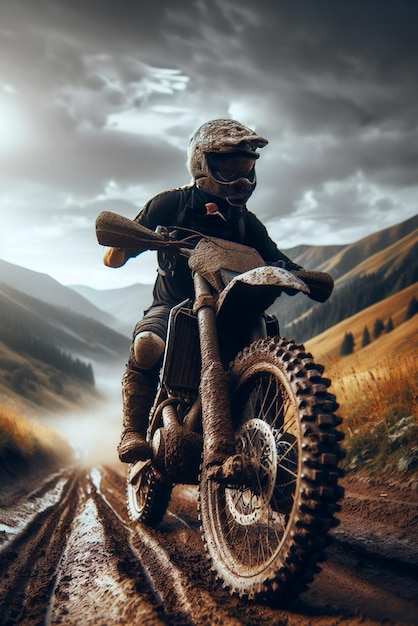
227, 167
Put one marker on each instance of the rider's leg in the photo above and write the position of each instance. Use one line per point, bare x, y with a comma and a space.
139, 383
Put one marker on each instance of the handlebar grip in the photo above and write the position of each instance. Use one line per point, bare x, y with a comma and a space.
321, 284
118, 231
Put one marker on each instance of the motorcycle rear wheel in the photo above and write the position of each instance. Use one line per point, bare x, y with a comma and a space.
265, 540
147, 495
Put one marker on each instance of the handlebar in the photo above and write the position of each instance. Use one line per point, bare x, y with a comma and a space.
117, 231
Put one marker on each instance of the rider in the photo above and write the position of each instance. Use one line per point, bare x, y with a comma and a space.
221, 160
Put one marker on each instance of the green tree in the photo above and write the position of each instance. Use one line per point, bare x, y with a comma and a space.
412, 308
378, 328
389, 325
347, 346
366, 337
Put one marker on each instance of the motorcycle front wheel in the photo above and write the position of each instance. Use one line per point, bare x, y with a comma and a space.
266, 538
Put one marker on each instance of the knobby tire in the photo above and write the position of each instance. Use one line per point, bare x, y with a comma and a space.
148, 497
266, 540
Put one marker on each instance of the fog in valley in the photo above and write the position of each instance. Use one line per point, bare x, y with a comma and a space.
93, 431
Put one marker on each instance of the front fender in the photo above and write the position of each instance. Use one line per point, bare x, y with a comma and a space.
249, 294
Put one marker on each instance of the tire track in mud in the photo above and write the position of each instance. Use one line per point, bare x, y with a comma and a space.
100, 581
374, 555
69, 555
182, 600
358, 583
352, 578
355, 581
29, 558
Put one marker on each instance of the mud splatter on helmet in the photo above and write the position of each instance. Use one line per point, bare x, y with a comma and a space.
221, 159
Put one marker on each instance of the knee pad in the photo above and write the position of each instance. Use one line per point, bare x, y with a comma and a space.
148, 349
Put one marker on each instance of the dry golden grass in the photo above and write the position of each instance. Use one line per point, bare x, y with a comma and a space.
26, 434
326, 346
376, 386
27, 444
388, 394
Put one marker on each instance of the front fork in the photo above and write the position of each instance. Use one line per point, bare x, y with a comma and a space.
219, 453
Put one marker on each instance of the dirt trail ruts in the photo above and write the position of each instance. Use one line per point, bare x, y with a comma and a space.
69, 555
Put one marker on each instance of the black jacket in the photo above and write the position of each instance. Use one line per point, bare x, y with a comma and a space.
185, 207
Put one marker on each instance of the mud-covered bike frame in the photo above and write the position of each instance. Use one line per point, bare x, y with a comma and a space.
241, 411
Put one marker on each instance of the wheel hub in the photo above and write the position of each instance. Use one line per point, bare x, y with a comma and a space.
256, 442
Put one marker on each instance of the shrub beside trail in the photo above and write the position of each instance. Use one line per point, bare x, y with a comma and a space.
28, 447
379, 408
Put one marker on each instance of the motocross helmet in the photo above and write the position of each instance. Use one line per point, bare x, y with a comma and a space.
221, 159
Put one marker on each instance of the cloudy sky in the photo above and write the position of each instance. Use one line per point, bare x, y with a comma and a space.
98, 99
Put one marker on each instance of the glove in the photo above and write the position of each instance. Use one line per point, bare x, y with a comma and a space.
320, 284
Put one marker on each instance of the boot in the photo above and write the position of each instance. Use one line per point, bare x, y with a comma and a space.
138, 391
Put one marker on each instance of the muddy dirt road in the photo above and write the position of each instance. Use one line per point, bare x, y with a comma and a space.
69, 555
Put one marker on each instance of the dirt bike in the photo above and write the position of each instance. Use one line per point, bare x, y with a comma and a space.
243, 413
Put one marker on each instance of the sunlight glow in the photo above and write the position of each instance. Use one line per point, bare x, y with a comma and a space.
151, 122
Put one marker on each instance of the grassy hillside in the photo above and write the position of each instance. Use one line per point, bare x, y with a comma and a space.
29, 383
313, 256
27, 447
364, 273
72, 332
44, 351
384, 261
46, 289
327, 344
354, 254
376, 386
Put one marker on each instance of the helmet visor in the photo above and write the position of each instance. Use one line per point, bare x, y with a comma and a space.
227, 167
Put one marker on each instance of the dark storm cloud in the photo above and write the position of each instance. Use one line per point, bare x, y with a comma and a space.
85, 166
109, 92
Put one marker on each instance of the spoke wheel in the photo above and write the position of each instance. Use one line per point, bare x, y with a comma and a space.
266, 538
147, 495
256, 441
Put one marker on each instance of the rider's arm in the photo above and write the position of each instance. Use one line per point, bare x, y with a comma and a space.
114, 257
159, 210
319, 283
258, 238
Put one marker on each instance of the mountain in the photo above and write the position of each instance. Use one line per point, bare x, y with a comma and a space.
125, 305
365, 272
352, 256
313, 256
46, 289
47, 352
75, 333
